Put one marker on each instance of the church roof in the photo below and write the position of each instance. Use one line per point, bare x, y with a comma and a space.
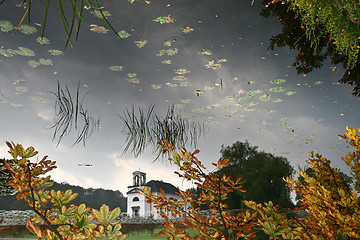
166, 187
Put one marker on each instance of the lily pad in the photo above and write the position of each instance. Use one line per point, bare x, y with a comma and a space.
163, 20
265, 97
44, 61
117, 68
181, 71
97, 14
25, 52
186, 101
16, 104
55, 52
43, 40
277, 89
213, 65
289, 93
184, 84
200, 110
283, 121
6, 26
156, 86
206, 52
179, 78
7, 52
134, 80
38, 99
21, 89
123, 34
209, 88
187, 29
131, 75
166, 61
27, 29
141, 43
235, 78
98, 29
179, 105
318, 82
33, 63
277, 100
227, 107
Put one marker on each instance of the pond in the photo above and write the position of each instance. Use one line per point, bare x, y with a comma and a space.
206, 63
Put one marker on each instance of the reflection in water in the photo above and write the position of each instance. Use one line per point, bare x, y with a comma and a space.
148, 128
70, 114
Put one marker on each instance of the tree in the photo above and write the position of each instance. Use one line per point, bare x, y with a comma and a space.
311, 53
5, 176
263, 173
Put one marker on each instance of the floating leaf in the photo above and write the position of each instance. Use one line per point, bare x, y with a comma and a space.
206, 52
123, 34
116, 68
131, 75
38, 99
16, 104
45, 61
200, 110
222, 60
55, 52
7, 52
277, 89
21, 89
251, 104
43, 40
179, 78
141, 43
235, 78
156, 86
213, 106
134, 80
33, 63
27, 29
184, 84
248, 96
187, 29
179, 105
166, 61
289, 93
265, 97
163, 20
213, 65
283, 121
186, 101
225, 115
231, 97
227, 107
181, 71
277, 100
98, 29
97, 14
171, 52
6, 26
3, 101
278, 81
168, 43
25, 52
209, 87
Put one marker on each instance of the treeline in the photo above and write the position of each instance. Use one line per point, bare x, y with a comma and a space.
92, 197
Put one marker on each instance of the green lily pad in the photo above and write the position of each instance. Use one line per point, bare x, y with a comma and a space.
116, 68
213, 65
43, 40
186, 101
206, 52
283, 121
318, 82
166, 61
179, 105
179, 78
156, 86
184, 84
163, 20
25, 52
187, 29
134, 80
277, 100
97, 14
3, 100
265, 97
131, 75
141, 43
55, 52
27, 29
6, 26
289, 93
16, 104
98, 29
227, 107
7, 52
38, 99
277, 89
209, 88
33, 63
251, 104
44, 61
235, 78
123, 34
21, 89
200, 110
171, 52
181, 71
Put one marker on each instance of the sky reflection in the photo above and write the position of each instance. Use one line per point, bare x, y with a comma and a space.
221, 73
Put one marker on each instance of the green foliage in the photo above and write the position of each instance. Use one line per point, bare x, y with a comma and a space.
263, 173
62, 220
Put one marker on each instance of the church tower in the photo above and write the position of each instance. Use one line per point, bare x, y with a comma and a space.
139, 178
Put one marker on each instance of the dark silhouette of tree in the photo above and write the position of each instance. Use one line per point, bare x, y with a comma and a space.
311, 55
263, 173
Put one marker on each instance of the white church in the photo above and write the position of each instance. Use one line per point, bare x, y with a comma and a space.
136, 202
